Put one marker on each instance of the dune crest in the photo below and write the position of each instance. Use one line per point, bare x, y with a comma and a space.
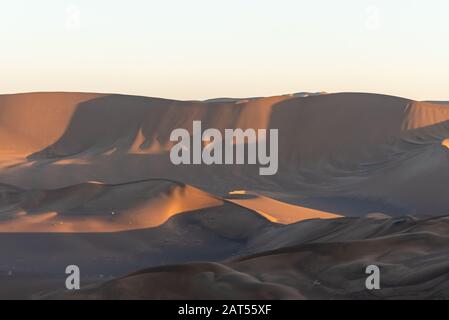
277, 211
325, 259
331, 146
97, 207
87, 178
445, 143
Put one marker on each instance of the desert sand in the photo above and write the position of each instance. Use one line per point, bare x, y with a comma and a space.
276, 211
86, 179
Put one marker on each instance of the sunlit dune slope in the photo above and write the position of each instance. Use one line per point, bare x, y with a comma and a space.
96, 207
31, 122
358, 147
87, 179
37, 260
334, 126
277, 211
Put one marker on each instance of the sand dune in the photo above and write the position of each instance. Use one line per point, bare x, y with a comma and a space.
30, 122
276, 211
317, 258
412, 254
87, 179
332, 146
97, 207
36, 262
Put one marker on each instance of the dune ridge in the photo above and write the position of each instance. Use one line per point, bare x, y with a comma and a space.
412, 254
86, 177
277, 211
331, 146
98, 207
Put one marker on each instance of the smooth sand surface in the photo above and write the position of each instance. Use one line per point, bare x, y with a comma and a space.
96, 207
362, 147
327, 262
277, 211
86, 179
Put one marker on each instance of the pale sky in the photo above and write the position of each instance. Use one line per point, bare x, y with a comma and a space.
200, 49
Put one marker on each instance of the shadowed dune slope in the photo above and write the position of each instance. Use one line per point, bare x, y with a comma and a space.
35, 262
413, 256
311, 259
361, 147
87, 179
31, 122
63, 124
96, 207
